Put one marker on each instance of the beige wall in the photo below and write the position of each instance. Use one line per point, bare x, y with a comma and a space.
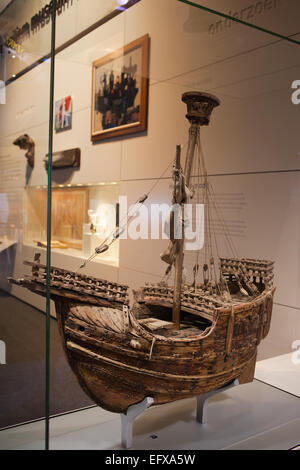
71, 19
251, 146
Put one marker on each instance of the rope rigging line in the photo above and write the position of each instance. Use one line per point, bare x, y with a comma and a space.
202, 192
131, 213
204, 188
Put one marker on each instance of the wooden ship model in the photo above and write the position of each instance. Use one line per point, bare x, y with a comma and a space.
176, 341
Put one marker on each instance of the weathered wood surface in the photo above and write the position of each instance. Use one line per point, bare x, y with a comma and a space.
80, 297
120, 356
85, 289
118, 369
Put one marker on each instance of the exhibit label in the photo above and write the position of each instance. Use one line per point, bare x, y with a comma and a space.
247, 14
39, 20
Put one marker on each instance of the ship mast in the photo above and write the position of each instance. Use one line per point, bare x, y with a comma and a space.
179, 254
199, 107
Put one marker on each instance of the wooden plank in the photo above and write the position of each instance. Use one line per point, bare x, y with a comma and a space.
155, 324
79, 276
230, 328
207, 315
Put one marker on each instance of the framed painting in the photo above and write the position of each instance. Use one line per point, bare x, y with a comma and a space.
120, 91
63, 114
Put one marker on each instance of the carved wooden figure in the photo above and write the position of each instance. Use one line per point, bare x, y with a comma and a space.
27, 143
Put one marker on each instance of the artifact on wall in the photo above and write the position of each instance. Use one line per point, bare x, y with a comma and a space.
63, 114
120, 91
178, 340
27, 143
64, 159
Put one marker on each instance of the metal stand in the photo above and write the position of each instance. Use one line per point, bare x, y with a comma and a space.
202, 401
135, 410
127, 420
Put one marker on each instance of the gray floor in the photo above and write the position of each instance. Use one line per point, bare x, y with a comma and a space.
253, 416
22, 379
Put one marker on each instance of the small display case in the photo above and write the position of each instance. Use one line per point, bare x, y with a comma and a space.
83, 215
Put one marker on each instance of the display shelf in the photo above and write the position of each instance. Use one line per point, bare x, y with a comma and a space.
241, 418
72, 252
280, 372
6, 243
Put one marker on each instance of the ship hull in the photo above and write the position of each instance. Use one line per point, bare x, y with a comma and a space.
120, 368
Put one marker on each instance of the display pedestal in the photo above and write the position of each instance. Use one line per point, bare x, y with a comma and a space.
127, 420
136, 410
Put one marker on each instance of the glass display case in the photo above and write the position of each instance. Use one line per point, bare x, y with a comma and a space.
82, 217
107, 83
22, 325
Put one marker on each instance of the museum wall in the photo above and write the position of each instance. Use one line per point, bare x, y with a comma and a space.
72, 18
251, 146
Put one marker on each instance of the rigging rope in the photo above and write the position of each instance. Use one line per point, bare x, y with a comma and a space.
131, 213
205, 195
